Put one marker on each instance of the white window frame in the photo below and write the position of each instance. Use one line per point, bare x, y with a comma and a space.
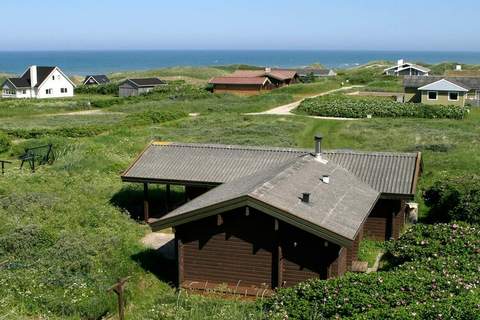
63, 90
458, 96
48, 91
436, 95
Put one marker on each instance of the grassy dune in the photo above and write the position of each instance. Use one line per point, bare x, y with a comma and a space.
66, 234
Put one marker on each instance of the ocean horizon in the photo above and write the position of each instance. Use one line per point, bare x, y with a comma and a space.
109, 61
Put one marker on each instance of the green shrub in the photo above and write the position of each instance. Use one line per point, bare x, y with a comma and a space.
71, 132
105, 103
432, 265
153, 116
5, 142
359, 107
109, 88
455, 199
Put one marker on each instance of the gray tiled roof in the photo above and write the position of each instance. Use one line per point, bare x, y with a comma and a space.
315, 71
388, 173
472, 83
339, 207
146, 82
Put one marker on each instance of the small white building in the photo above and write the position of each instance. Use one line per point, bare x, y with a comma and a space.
39, 82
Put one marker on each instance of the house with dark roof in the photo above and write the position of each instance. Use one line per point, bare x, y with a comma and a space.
39, 82
95, 80
264, 218
135, 87
253, 81
404, 68
442, 90
316, 72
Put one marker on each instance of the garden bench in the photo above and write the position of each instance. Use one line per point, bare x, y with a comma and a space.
41, 154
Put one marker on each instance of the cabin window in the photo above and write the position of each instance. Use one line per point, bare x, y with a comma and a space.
24, 91
432, 95
53, 77
48, 91
63, 90
453, 96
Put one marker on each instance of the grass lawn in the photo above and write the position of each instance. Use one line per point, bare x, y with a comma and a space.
369, 250
66, 236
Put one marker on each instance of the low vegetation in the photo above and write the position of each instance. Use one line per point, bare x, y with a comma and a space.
455, 199
360, 107
433, 276
66, 234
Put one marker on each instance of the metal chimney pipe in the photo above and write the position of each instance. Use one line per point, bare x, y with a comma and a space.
306, 197
318, 145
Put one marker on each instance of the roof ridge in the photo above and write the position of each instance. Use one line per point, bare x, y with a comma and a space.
281, 149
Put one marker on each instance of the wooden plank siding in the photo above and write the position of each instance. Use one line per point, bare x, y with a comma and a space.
386, 220
246, 248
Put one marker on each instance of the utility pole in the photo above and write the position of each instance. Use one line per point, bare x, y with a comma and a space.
119, 289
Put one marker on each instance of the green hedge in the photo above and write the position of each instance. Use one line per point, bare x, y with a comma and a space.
433, 267
153, 116
359, 107
456, 198
109, 88
71, 132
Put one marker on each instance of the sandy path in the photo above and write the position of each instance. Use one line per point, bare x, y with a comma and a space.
286, 110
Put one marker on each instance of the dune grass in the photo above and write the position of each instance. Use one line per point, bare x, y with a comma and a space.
68, 231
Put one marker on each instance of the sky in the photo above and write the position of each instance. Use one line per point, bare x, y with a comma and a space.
423, 25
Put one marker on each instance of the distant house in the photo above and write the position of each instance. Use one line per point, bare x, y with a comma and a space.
269, 217
96, 79
406, 69
39, 82
442, 90
135, 87
317, 73
254, 81
243, 85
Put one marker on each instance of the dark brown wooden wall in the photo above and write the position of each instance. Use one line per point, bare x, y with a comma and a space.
305, 255
242, 250
386, 220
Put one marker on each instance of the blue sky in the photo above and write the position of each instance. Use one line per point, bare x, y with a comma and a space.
232, 24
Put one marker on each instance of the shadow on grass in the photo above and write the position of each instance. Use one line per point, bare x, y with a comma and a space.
159, 262
130, 198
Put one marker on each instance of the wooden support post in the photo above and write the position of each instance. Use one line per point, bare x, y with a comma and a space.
145, 202
278, 256
119, 289
180, 261
168, 197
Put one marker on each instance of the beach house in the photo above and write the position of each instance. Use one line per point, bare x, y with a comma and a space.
253, 81
39, 82
262, 217
403, 68
442, 90
95, 80
135, 87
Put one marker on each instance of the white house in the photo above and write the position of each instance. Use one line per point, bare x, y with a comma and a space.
39, 82
406, 69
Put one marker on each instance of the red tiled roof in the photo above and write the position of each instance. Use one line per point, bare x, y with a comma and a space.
274, 73
238, 80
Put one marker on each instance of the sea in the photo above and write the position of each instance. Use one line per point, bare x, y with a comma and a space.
104, 62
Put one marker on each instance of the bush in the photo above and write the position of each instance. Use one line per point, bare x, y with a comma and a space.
109, 88
360, 107
105, 103
152, 117
71, 132
434, 267
455, 199
5, 142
